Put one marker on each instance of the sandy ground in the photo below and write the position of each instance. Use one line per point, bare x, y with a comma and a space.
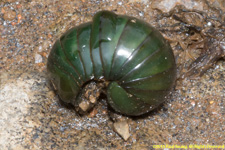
31, 116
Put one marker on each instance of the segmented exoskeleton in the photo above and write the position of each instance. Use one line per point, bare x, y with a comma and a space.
127, 52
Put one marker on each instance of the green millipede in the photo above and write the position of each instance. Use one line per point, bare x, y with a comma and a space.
128, 53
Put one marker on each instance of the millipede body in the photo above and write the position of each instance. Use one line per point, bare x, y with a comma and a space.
129, 54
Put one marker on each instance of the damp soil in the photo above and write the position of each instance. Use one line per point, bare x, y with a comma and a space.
31, 116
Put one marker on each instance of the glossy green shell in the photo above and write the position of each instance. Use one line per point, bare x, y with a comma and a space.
128, 52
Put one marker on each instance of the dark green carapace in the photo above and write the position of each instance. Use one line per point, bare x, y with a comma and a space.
130, 54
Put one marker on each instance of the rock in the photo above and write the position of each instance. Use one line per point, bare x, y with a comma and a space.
9, 15
84, 106
122, 128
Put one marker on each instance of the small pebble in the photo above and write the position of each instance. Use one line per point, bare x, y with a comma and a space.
122, 128
84, 106
141, 13
120, 3
38, 58
9, 15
